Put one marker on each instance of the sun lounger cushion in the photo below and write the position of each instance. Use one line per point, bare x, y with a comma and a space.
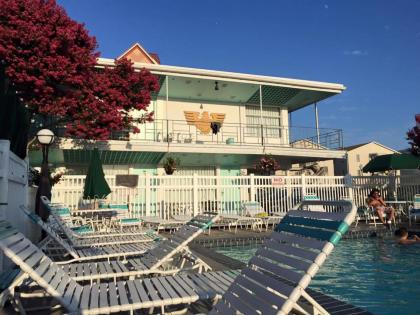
130, 220
119, 207
62, 212
83, 229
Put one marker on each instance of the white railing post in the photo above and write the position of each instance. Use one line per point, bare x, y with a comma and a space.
195, 194
252, 187
303, 183
348, 182
147, 194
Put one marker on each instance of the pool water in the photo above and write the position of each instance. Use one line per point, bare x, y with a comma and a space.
375, 274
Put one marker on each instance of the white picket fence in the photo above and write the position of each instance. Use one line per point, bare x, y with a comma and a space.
164, 196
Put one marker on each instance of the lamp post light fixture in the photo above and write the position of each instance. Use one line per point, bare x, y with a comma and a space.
45, 137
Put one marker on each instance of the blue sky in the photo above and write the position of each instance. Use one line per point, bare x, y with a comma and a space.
372, 47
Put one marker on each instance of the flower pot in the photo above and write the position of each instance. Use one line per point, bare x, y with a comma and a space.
170, 171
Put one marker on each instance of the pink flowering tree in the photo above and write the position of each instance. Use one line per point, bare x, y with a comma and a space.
267, 165
413, 137
49, 63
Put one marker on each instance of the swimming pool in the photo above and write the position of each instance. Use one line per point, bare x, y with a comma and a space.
375, 274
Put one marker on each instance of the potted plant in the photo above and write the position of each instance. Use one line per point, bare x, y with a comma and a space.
267, 165
34, 177
170, 165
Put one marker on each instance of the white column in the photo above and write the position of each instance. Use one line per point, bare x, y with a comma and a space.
252, 187
166, 123
348, 182
147, 198
167, 97
303, 180
195, 195
316, 122
261, 120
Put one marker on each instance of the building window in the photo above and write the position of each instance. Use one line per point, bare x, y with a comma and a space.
372, 156
357, 157
271, 120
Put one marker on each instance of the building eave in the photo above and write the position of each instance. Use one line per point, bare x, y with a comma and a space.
233, 76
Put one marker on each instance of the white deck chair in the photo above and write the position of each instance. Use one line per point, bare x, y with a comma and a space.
309, 197
159, 260
103, 298
280, 271
89, 253
159, 224
254, 209
105, 239
414, 211
273, 282
121, 224
243, 219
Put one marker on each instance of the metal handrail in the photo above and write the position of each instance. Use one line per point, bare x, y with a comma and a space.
179, 131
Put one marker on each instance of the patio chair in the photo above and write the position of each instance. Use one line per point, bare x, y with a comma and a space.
414, 211
75, 235
158, 224
88, 253
254, 209
314, 197
116, 223
100, 298
159, 260
273, 282
242, 219
370, 214
278, 274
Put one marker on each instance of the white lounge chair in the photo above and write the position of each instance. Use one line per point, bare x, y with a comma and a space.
158, 260
254, 209
273, 283
77, 239
414, 211
280, 271
103, 298
120, 224
89, 253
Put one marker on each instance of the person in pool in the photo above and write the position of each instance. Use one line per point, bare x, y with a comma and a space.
403, 238
376, 202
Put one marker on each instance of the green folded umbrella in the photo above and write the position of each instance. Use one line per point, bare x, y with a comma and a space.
95, 183
389, 162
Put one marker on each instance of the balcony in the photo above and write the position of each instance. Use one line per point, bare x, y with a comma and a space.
180, 132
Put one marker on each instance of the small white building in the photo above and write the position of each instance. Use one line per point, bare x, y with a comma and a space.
358, 156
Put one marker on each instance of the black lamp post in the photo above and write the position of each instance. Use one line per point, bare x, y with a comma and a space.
45, 137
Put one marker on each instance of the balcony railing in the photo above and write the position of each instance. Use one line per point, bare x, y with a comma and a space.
178, 131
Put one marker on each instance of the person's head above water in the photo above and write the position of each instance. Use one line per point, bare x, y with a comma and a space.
401, 232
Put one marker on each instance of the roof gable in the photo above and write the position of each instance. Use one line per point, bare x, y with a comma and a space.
356, 146
136, 53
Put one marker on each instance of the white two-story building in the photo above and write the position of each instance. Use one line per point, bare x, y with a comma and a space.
252, 112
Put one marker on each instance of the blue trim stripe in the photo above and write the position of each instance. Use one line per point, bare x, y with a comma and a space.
343, 228
323, 224
304, 231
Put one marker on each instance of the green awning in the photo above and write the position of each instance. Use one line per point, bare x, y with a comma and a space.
389, 162
59, 157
